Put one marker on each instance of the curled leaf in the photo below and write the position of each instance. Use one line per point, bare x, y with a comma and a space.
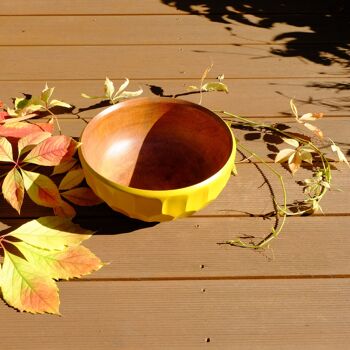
294, 162
311, 116
318, 132
340, 154
291, 142
215, 86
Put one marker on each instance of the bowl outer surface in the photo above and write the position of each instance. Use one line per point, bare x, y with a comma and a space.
158, 205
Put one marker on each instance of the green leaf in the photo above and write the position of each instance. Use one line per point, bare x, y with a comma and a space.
57, 103
46, 93
26, 288
215, 86
52, 233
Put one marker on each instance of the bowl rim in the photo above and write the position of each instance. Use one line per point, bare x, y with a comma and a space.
157, 193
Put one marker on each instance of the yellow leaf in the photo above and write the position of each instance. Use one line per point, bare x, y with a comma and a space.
5, 150
294, 162
284, 154
13, 189
72, 179
318, 132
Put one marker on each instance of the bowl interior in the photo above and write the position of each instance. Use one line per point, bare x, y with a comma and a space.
156, 144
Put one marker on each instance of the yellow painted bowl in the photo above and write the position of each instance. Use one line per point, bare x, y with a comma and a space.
157, 159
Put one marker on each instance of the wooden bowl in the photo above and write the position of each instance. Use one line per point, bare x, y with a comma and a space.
157, 159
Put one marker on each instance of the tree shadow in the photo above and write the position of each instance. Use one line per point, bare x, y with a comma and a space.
326, 40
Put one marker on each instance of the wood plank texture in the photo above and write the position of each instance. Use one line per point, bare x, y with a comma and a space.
68, 7
244, 315
156, 62
247, 97
158, 30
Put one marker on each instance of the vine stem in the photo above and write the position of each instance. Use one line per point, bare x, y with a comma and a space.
274, 233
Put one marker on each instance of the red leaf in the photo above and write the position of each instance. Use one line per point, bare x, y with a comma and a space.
41, 189
13, 189
31, 140
82, 196
51, 151
3, 116
21, 129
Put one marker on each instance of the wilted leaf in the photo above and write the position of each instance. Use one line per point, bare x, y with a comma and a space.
215, 86
72, 179
306, 156
122, 87
283, 155
21, 129
192, 88
41, 189
50, 152
5, 150
13, 189
294, 162
128, 94
82, 196
46, 93
64, 166
109, 88
318, 132
91, 97
340, 154
311, 116
294, 109
72, 262
291, 142
33, 139
26, 288
65, 210
52, 233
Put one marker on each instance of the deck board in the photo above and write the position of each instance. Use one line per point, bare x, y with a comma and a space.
171, 285
175, 61
245, 314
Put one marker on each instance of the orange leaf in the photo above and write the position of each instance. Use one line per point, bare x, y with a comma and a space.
31, 140
13, 189
5, 150
21, 129
82, 196
41, 189
294, 162
50, 152
311, 116
3, 116
65, 210
318, 132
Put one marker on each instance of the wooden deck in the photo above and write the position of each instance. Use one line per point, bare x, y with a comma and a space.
171, 286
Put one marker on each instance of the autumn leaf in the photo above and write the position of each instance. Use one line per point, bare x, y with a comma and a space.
51, 232
33, 139
26, 288
72, 179
294, 162
215, 86
36, 254
65, 166
41, 189
317, 131
82, 196
50, 152
65, 210
339, 153
13, 189
6, 154
283, 155
21, 129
